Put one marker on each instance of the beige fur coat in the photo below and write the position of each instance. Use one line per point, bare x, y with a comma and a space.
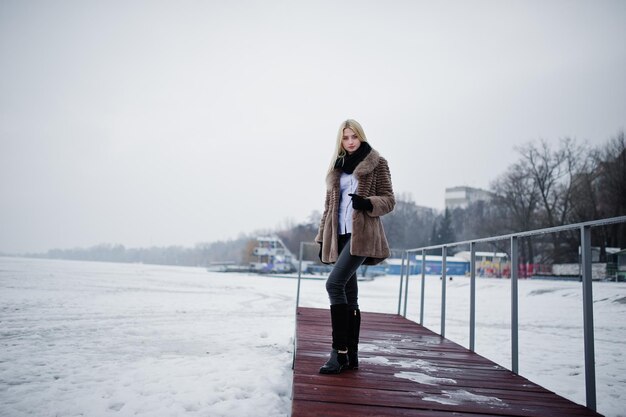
368, 235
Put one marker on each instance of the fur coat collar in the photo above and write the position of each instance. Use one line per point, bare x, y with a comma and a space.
367, 165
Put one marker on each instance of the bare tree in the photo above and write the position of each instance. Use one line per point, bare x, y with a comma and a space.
515, 203
585, 192
611, 186
554, 173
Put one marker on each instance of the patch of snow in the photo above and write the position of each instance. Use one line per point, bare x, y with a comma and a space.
406, 363
423, 378
458, 397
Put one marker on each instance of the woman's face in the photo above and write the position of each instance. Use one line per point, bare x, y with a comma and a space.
350, 140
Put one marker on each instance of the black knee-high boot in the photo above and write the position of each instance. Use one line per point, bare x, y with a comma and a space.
354, 328
339, 354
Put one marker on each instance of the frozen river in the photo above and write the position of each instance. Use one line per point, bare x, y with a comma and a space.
104, 339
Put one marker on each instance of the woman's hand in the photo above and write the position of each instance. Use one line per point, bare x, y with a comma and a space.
361, 203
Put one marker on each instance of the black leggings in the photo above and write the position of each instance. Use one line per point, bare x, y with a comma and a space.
342, 283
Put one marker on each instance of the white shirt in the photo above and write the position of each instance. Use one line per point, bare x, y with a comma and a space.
347, 185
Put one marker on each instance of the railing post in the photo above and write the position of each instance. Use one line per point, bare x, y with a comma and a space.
295, 344
299, 275
444, 251
514, 306
401, 279
422, 292
472, 335
590, 366
406, 284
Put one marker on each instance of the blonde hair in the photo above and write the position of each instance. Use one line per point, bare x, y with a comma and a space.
340, 152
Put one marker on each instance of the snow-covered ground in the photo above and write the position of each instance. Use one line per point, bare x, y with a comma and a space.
101, 339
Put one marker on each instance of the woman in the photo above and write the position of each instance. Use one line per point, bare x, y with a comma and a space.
351, 233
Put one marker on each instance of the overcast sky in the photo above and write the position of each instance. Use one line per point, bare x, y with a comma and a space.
176, 122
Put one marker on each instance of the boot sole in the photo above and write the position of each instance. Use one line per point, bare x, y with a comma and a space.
331, 372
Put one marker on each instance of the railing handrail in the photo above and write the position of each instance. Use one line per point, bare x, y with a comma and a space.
585, 261
554, 229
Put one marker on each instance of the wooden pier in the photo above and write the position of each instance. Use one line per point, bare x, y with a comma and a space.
407, 370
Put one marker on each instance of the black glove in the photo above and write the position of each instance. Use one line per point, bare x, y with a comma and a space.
320, 255
361, 203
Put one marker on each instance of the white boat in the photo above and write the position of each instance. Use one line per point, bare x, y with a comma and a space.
272, 256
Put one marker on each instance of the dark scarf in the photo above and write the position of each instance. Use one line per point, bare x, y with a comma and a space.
348, 162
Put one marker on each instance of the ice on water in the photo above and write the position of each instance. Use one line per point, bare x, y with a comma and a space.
104, 339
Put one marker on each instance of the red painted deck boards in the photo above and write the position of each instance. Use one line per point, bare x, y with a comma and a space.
407, 370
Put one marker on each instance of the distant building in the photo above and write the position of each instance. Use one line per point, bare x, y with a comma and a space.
461, 197
488, 264
618, 265
424, 211
432, 265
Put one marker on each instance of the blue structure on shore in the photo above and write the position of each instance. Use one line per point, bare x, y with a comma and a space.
432, 265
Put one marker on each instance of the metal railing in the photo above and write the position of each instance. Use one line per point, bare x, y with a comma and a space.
588, 337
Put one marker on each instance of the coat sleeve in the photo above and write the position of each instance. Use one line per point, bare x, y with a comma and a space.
383, 199
320, 231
